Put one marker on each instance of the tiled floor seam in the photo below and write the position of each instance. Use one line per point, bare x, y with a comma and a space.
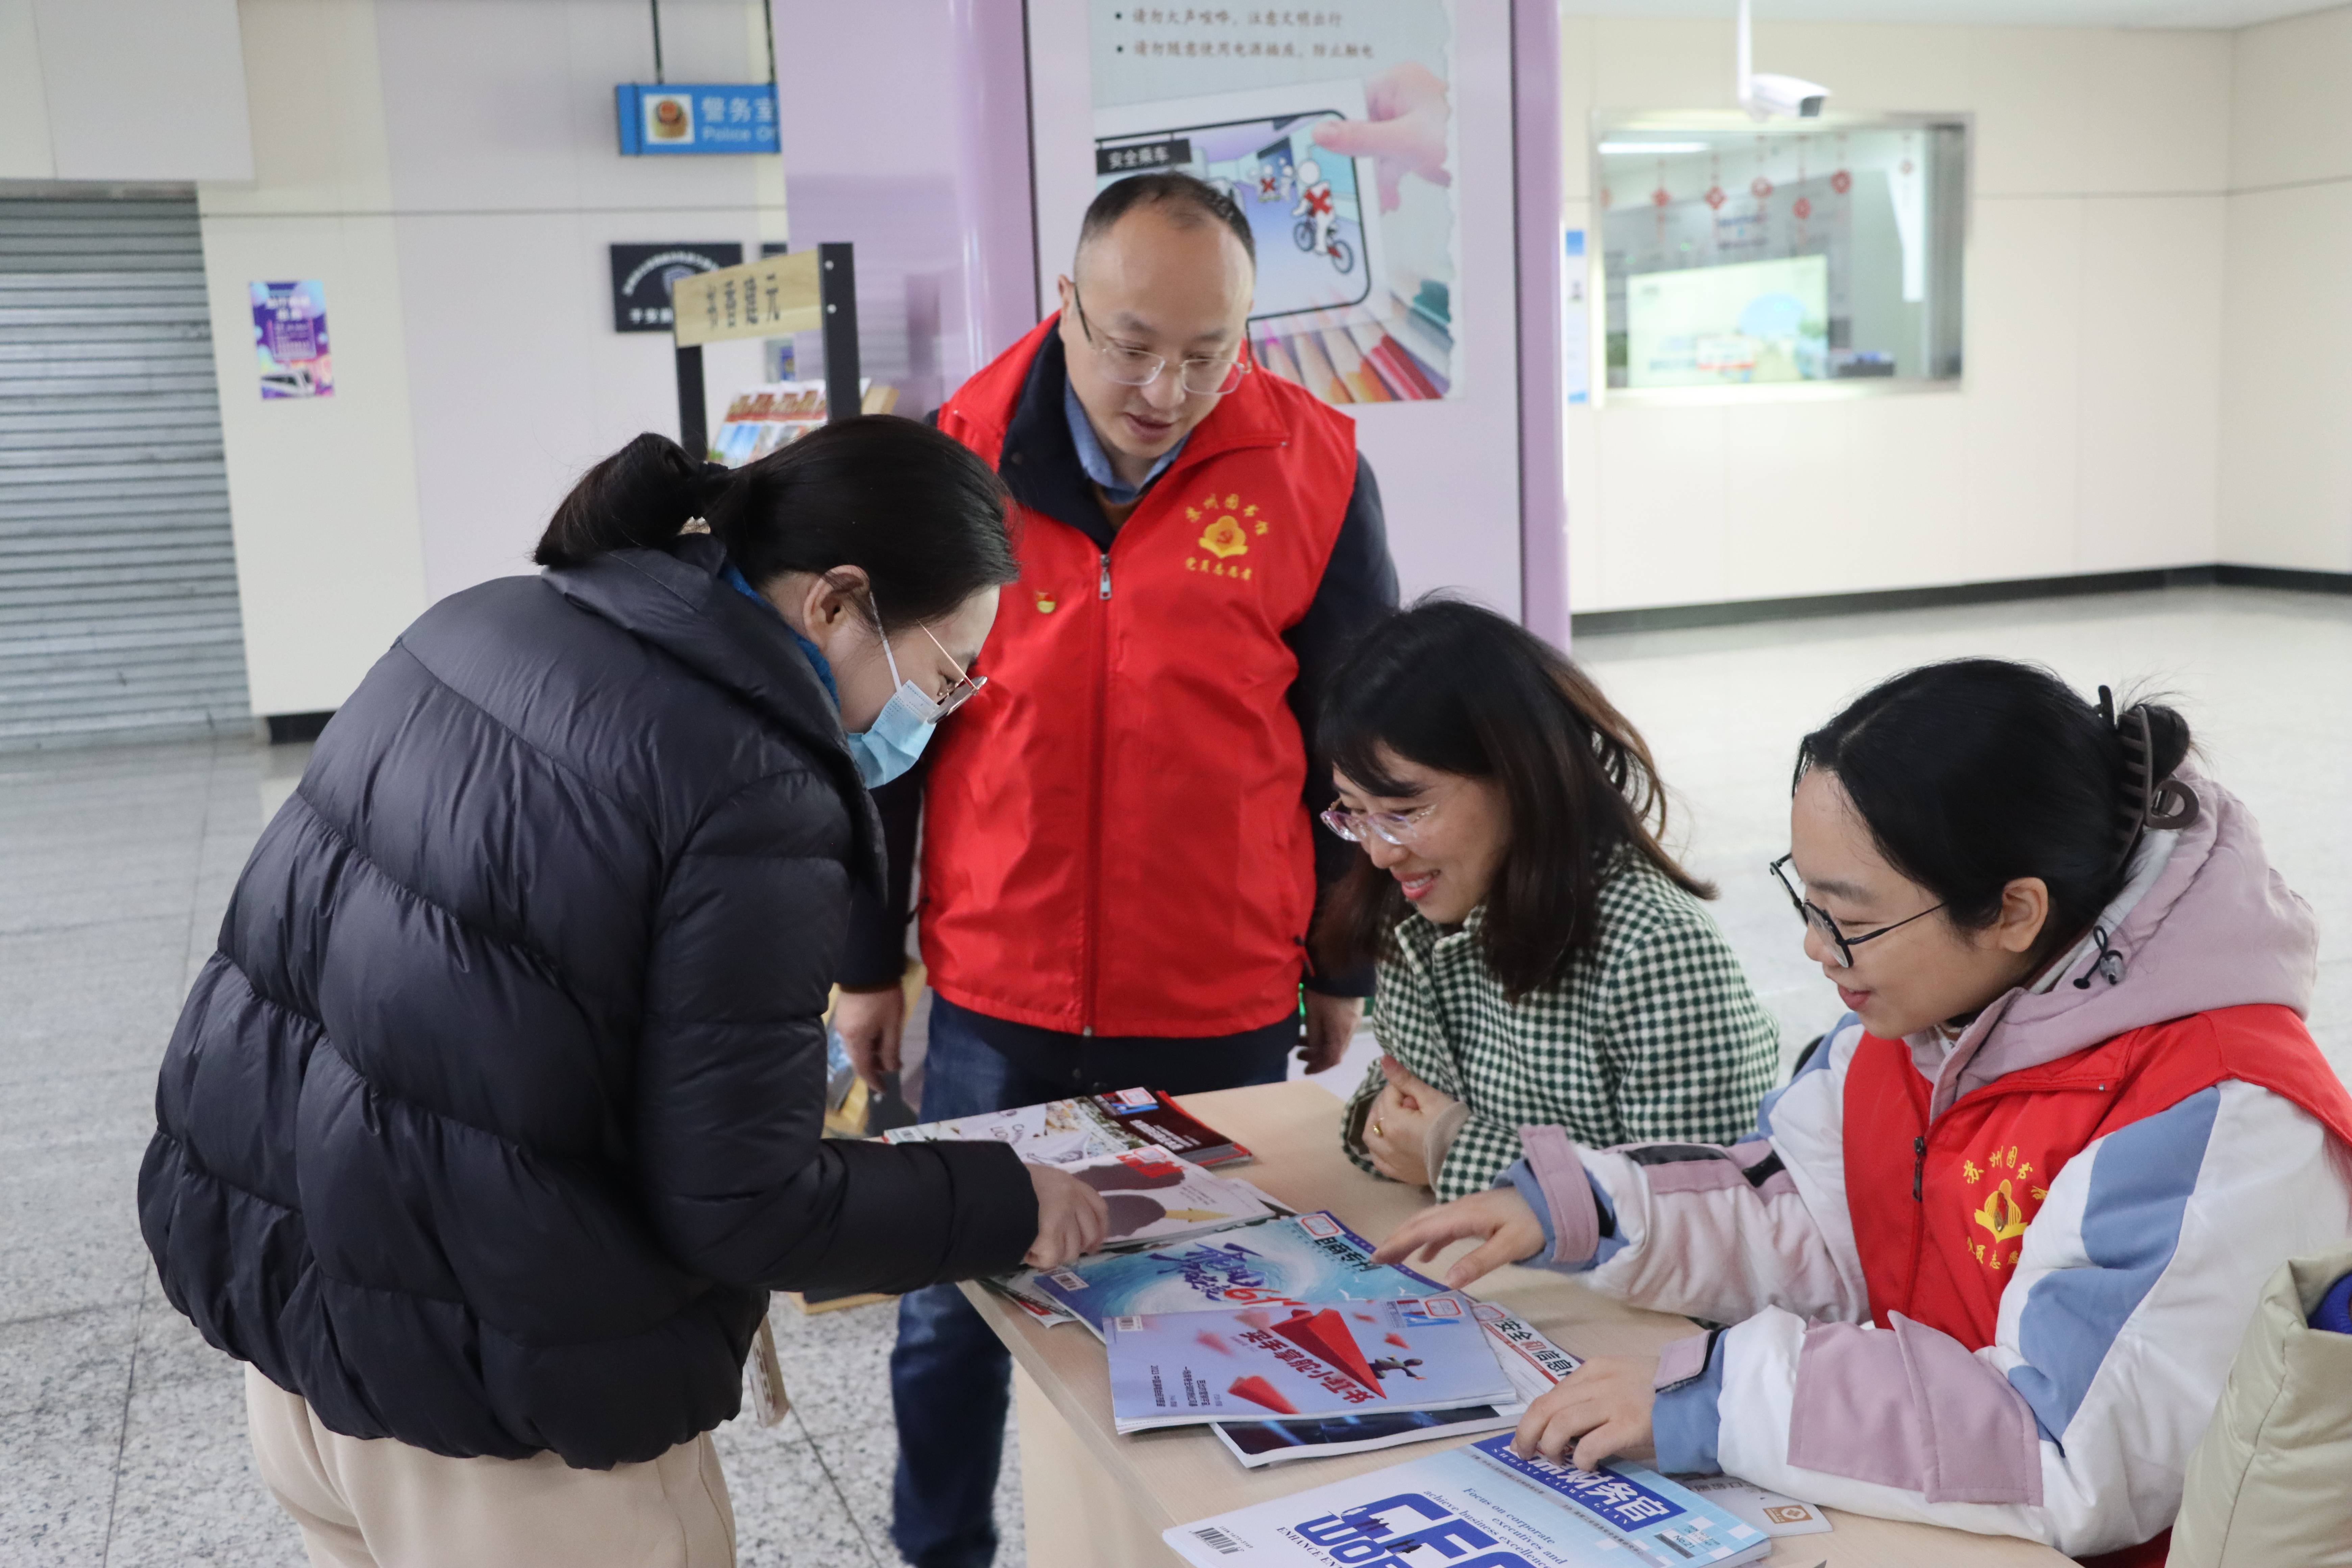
122, 1434
840, 1495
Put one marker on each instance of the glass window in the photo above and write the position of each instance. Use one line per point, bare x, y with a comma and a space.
1825, 250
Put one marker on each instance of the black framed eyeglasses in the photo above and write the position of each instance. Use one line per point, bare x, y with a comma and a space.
1821, 920
1212, 377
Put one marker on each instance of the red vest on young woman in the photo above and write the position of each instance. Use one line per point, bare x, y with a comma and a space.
1940, 1209
1114, 840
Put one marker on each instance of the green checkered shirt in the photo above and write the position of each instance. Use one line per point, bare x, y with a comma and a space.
1653, 1034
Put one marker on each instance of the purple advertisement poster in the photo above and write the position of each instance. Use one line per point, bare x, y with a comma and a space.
290, 339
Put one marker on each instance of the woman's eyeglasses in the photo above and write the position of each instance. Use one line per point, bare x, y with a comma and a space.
1396, 828
1212, 377
1821, 920
962, 689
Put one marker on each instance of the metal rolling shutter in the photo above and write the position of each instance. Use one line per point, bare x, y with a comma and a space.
118, 585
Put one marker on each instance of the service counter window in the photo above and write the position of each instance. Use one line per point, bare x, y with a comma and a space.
1818, 257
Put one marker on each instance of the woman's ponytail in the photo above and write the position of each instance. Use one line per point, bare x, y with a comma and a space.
917, 511
639, 498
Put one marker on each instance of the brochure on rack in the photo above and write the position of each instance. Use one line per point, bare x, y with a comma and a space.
1481, 1504
1186, 1369
1532, 1363
1309, 1259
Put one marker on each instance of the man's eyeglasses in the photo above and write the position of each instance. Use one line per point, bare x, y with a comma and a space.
1821, 920
1211, 377
1393, 827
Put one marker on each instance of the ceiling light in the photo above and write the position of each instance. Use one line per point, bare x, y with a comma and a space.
1652, 149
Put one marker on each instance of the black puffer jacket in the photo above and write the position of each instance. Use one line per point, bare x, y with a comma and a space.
496, 1116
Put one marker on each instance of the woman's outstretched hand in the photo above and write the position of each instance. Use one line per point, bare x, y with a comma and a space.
1501, 1219
1603, 1409
1071, 1218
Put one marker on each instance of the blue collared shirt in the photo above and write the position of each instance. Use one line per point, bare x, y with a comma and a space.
1097, 462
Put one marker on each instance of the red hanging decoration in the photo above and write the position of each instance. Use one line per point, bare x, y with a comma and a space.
1716, 198
1804, 207
1841, 182
1759, 187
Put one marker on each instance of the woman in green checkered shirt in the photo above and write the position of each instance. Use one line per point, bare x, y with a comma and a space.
1542, 959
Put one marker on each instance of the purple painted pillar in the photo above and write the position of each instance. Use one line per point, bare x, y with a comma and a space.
1543, 475
870, 136
993, 175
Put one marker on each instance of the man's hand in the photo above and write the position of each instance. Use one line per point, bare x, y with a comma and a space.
1404, 128
870, 1024
1071, 1218
1602, 1407
1508, 1230
1331, 1025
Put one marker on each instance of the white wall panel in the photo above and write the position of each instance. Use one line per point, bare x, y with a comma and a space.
2288, 123
1663, 509
1912, 486
2022, 400
25, 149
2287, 404
2148, 427
2286, 400
515, 394
322, 491
1789, 492
145, 89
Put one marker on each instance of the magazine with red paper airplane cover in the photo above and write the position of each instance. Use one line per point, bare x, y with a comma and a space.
1332, 1358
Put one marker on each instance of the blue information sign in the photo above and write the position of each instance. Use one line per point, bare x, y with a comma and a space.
726, 117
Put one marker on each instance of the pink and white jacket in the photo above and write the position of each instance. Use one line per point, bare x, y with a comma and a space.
1996, 1283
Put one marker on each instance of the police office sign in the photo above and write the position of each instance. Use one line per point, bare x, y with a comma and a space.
662, 118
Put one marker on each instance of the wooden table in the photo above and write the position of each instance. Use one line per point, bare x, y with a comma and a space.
1094, 1499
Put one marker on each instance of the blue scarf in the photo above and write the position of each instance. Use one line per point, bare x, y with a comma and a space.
737, 581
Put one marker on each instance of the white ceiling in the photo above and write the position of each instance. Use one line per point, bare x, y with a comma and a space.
1988, 12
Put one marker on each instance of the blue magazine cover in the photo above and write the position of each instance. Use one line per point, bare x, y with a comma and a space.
1481, 1504
1309, 1259
1179, 1369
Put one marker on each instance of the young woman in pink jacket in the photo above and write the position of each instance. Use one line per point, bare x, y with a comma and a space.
1987, 1255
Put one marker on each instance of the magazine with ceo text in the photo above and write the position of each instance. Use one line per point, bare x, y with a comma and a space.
1481, 1504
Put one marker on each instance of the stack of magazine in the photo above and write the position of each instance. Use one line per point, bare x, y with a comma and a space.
1218, 1305
1281, 1266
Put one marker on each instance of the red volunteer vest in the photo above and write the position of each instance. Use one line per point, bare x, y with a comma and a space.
1940, 1210
1114, 841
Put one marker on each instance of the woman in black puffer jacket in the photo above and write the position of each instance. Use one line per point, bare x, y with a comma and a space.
496, 1116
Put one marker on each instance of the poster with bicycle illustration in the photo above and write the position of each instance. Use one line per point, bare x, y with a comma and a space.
1331, 127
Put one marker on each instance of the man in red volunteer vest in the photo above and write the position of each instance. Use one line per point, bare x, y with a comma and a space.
1118, 862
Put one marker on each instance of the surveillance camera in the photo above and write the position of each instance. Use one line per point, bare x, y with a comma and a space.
1768, 94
